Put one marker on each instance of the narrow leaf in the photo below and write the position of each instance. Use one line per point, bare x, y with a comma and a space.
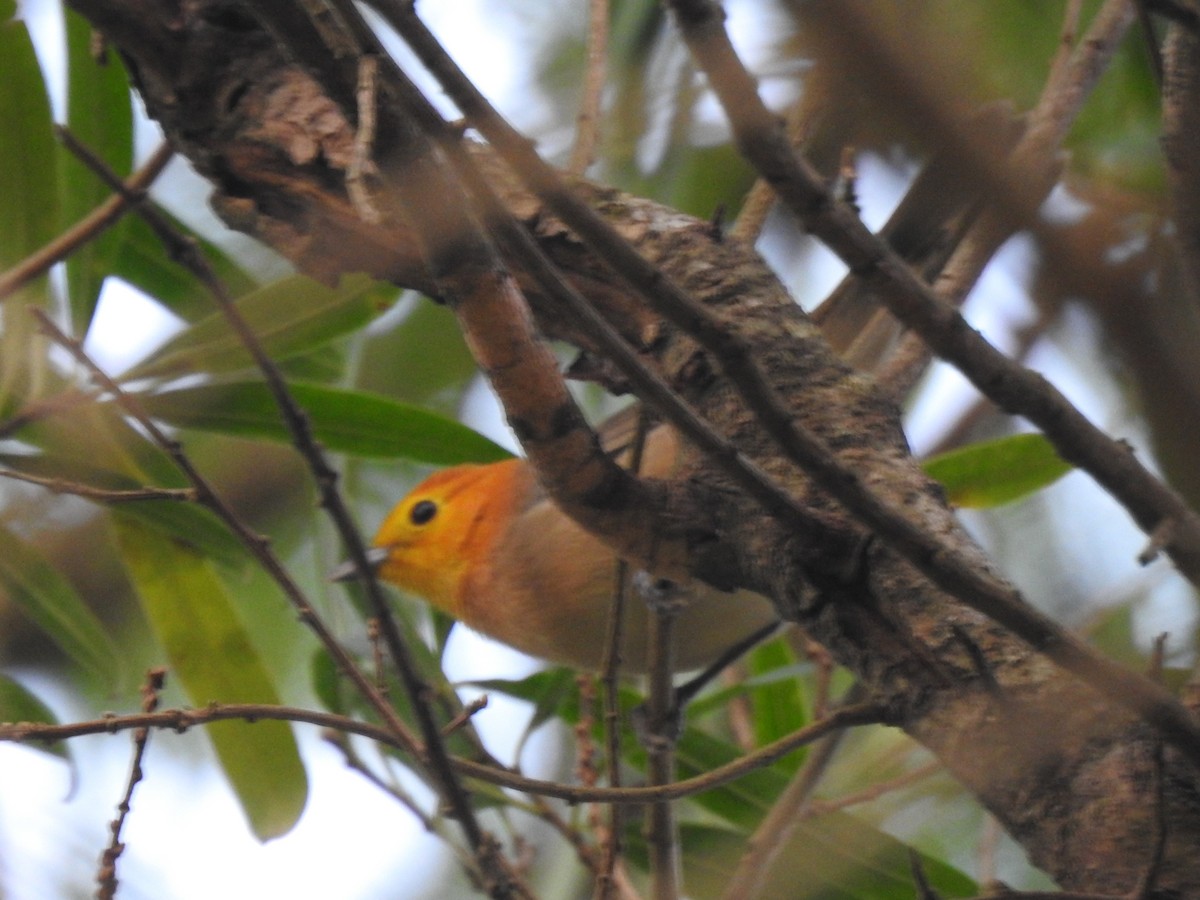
100, 114
290, 317
345, 421
834, 857
19, 704
192, 526
424, 360
993, 473
778, 704
211, 654
143, 263
29, 156
51, 603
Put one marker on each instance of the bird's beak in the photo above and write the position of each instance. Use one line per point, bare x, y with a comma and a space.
348, 571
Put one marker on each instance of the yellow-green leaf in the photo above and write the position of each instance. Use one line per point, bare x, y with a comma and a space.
291, 317
211, 654
992, 473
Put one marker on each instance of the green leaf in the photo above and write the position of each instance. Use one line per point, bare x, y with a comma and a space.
423, 360
29, 156
778, 704
143, 263
344, 421
548, 690
191, 525
100, 114
214, 659
993, 473
51, 603
703, 180
19, 704
327, 682
94, 442
834, 857
290, 317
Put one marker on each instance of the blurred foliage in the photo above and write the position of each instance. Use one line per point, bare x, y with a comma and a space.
992, 473
382, 378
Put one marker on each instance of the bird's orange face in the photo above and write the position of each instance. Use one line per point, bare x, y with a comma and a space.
445, 528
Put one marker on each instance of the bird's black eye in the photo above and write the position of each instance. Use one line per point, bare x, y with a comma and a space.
422, 512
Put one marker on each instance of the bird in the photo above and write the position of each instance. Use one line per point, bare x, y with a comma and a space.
487, 545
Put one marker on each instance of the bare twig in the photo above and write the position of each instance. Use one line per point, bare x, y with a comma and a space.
989, 842
107, 876
925, 890
362, 167
610, 674
101, 495
341, 740
181, 720
88, 228
873, 792
662, 721
587, 125
777, 827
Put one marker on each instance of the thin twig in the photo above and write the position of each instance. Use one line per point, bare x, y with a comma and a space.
181, 720
610, 670
101, 495
1068, 36
107, 875
587, 125
989, 842
778, 826
341, 741
662, 722
761, 197
88, 228
873, 792
362, 166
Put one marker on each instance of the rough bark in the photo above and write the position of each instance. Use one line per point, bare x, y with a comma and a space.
1070, 775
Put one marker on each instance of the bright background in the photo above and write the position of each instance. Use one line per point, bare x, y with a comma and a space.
186, 837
